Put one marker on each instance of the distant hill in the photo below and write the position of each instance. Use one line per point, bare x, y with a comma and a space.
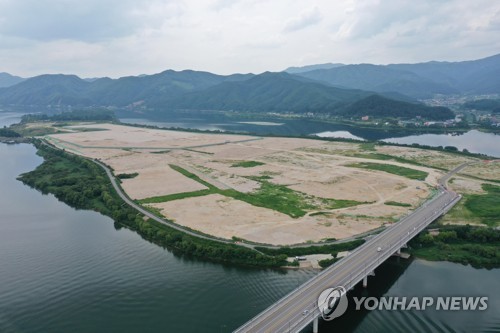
71, 90
380, 107
7, 80
491, 105
296, 70
421, 80
171, 90
47, 90
271, 92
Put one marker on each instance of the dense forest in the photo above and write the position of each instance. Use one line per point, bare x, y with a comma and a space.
491, 105
380, 107
8, 133
477, 246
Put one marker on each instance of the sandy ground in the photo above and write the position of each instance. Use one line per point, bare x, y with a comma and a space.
466, 185
225, 217
484, 170
134, 137
314, 167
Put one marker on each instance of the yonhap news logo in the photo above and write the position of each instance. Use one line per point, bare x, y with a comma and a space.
333, 303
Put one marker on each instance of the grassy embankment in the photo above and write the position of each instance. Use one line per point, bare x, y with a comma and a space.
332, 249
394, 169
477, 246
269, 195
82, 184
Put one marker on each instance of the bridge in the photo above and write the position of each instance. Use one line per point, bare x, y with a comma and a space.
299, 308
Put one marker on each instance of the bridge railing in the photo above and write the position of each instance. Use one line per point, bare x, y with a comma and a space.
362, 269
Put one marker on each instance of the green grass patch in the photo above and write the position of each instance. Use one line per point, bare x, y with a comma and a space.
320, 214
246, 164
127, 175
394, 169
176, 196
485, 206
395, 203
269, 195
368, 146
192, 176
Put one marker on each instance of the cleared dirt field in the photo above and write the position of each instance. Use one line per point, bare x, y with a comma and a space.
310, 168
225, 217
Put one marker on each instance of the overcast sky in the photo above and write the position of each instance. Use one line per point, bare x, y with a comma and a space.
94, 38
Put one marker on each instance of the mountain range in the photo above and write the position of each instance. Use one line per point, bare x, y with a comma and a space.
422, 80
335, 89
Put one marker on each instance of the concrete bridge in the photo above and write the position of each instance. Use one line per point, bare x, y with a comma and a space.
299, 308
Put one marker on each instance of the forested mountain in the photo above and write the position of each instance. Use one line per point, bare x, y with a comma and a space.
421, 80
271, 92
7, 80
170, 90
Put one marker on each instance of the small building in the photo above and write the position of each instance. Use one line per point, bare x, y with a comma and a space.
365, 118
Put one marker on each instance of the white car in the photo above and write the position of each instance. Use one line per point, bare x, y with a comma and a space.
379, 249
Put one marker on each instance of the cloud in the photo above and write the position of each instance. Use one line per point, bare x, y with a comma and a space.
305, 20
116, 38
88, 20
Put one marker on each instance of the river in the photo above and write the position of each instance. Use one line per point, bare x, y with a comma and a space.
474, 141
67, 270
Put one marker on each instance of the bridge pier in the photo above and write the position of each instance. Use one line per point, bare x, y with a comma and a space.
365, 279
315, 325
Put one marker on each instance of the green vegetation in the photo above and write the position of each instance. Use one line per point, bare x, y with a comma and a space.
395, 203
382, 107
368, 146
320, 213
321, 249
269, 195
485, 206
8, 133
394, 169
477, 246
77, 115
82, 184
247, 164
492, 105
176, 196
127, 175
327, 262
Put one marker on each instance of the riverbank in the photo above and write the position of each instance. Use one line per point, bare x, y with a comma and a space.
467, 245
82, 184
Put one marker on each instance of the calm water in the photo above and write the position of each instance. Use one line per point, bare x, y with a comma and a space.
9, 118
474, 141
63, 270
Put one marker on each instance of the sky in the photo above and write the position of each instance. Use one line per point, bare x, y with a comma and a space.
96, 38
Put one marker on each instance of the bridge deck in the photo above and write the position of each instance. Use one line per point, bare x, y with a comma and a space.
287, 315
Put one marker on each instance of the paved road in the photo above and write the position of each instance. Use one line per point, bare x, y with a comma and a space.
297, 309
139, 208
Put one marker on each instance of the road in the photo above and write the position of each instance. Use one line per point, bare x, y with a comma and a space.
298, 309
147, 213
